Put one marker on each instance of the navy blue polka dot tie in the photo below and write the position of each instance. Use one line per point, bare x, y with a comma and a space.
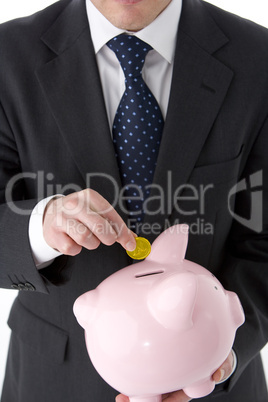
137, 126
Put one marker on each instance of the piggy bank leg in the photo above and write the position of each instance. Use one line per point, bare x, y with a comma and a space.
152, 398
198, 390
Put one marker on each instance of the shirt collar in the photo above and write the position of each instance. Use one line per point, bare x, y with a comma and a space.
160, 34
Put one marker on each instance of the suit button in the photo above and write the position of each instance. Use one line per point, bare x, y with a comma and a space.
14, 286
29, 286
21, 286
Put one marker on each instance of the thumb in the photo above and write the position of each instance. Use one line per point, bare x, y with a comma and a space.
121, 398
225, 370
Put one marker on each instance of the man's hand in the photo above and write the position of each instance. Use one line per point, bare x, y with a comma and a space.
223, 372
84, 219
178, 396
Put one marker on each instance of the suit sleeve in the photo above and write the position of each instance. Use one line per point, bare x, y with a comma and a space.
245, 270
17, 266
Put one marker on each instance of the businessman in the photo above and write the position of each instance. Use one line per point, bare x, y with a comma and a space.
119, 115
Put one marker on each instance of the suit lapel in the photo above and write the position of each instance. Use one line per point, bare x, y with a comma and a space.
72, 87
199, 86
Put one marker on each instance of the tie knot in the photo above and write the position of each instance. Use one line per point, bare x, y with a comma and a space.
131, 52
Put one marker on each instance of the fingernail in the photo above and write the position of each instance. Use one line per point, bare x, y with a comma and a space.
131, 245
222, 374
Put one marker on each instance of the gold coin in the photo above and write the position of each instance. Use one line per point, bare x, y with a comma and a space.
142, 250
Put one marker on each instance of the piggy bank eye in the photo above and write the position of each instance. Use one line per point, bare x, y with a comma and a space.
215, 287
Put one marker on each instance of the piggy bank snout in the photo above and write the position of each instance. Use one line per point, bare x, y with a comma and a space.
172, 301
85, 308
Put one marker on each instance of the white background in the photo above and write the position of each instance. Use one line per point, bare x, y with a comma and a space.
254, 10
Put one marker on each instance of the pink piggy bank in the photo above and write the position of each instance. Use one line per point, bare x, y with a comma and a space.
160, 325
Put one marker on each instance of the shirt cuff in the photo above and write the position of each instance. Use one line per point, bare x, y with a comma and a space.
42, 253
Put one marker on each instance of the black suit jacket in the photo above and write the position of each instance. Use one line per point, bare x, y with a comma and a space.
54, 129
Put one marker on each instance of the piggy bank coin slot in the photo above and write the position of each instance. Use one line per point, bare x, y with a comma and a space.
149, 274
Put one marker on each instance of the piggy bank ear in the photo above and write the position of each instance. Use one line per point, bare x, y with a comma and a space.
172, 301
170, 246
85, 308
236, 309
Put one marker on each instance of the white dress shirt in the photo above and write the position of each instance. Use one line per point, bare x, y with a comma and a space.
157, 72
161, 35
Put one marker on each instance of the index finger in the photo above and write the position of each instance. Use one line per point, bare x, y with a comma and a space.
101, 206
